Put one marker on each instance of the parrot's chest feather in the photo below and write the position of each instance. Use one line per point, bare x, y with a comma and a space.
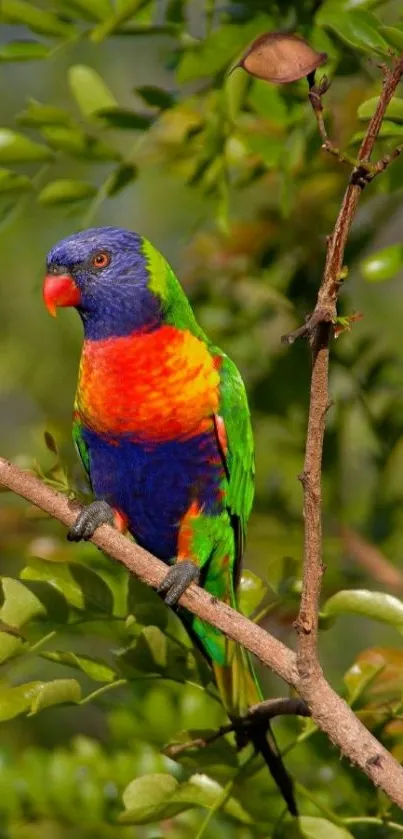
155, 386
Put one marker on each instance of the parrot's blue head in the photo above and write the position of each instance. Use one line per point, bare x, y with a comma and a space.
107, 274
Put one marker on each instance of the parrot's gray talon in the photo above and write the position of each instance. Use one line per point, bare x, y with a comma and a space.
177, 580
89, 519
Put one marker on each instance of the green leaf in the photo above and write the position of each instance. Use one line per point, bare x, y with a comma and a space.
146, 797
53, 602
220, 48
57, 692
145, 604
89, 9
370, 604
156, 97
16, 148
155, 797
127, 10
270, 149
359, 676
65, 191
121, 177
152, 652
19, 605
147, 654
394, 111
98, 596
38, 20
89, 90
313, 828
382, 265
33, 697
92, 667
358, 28
18, 608
202, 791
77, 143
251, 591
267, 101
16, 700
38, 114
12, 182
175, 11
379, 672
23, 51
81, 587
125, 118
393, 36
236, 86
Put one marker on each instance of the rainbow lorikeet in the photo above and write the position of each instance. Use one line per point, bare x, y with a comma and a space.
162, 425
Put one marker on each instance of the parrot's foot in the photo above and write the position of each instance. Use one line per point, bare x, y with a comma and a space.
91, 517
178, 580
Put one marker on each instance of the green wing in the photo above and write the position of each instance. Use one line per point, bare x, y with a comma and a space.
238, 452
80, 444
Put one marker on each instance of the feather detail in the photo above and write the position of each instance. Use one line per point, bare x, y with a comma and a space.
154, 386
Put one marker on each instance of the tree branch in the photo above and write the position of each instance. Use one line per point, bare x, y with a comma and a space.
319, 330
328, 710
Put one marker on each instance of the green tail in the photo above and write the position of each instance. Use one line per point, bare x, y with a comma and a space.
236, 679
239, 690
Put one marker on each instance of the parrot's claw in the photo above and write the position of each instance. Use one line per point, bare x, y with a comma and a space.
178, 579
87, 521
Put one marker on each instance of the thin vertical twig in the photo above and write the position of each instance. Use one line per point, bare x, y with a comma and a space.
318, 329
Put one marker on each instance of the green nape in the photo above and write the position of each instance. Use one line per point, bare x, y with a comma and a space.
163, 282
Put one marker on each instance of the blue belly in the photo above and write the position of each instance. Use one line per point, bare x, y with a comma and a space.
155, 485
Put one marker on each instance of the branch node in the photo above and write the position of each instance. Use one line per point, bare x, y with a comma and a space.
303, 625
321, 314
302, 478
375, 760
361, 176
317, 91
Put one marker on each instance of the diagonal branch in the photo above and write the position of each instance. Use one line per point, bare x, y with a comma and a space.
328, 710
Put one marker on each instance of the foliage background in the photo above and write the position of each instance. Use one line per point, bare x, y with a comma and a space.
123, 113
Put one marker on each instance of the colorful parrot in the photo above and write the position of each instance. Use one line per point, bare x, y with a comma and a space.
162, 426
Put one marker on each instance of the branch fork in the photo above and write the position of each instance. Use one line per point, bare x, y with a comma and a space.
259, 714
363, 173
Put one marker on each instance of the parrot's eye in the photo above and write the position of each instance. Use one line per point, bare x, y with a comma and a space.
101, 259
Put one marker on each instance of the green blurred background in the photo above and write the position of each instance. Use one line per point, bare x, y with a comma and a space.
226, 177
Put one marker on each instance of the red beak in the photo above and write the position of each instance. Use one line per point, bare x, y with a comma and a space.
60, 290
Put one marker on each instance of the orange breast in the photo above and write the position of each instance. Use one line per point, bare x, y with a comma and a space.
155, 387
